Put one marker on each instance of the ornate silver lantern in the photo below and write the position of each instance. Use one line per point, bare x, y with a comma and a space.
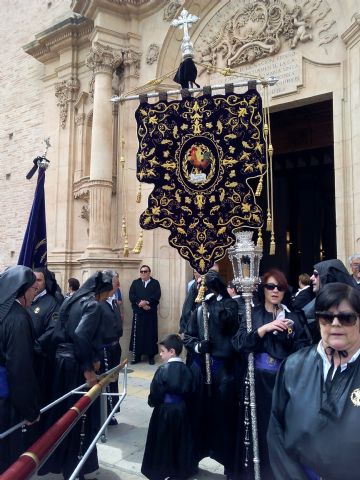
245, 258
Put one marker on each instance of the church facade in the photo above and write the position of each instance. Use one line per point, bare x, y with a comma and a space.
63, 61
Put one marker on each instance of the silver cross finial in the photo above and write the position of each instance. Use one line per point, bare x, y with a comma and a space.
185, 21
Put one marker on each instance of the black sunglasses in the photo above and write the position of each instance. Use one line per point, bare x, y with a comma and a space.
346, 319
144, 271
272, 286
315, 273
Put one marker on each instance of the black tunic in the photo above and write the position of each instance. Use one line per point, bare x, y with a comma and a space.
43, 312
214, 417
169, 449
309, 427
76, 354
268, 351
16, 354
110, 351
144, 332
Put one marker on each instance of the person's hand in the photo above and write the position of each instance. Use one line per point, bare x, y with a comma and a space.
278, 325
27, 422
90, 377
143, 303
146, 307
204, 346
96, 365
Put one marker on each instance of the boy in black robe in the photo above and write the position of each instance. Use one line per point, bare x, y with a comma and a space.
169, 450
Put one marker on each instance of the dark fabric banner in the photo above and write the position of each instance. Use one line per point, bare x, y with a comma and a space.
200, 153
33, 252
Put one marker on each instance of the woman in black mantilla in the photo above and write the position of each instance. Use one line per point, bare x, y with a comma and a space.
19, 390
315, 416
78, 336
276, 333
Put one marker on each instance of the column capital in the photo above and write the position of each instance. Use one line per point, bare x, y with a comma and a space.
351, 36
103, 58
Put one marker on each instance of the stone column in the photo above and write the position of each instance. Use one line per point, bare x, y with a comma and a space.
102, 60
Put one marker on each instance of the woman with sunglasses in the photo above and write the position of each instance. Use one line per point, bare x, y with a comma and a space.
315, 419
276, 333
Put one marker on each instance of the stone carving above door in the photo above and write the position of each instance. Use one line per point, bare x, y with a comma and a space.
261, 28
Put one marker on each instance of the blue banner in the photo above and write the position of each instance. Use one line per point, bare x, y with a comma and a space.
33, 252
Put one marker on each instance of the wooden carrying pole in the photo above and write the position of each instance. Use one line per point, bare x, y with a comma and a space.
39, 451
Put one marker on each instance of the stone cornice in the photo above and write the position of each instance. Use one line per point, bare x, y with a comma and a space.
74, 30
138, 8
351, 36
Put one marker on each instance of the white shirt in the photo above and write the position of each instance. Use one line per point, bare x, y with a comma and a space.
327, 363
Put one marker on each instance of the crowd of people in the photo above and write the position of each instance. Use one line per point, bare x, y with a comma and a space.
305, 347
50, 345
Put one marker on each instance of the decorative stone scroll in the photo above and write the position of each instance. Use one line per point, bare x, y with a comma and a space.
152, 53
66, 92
171, 10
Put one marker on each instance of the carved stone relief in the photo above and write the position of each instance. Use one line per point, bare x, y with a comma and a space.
66, 92
132, 58
103, 58
152, 54
171, 10
85, 212
261, 28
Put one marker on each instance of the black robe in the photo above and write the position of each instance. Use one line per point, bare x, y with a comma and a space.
144, 332
43, 312
17, 355
214, 416
81, 340
273, 349
312, 428
169, 449
110, 351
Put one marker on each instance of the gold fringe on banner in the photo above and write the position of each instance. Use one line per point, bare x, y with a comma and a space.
259, 187
272, 244
268, 221
201, 293
139, 244
138, 196
123, 227
126, 247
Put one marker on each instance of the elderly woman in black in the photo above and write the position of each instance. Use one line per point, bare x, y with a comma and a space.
276, 333
315, 419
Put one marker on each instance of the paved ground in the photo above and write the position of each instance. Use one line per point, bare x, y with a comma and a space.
121, 455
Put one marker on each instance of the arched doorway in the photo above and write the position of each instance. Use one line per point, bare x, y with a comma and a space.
304, 191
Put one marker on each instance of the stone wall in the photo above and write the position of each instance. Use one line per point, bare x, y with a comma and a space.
22, 108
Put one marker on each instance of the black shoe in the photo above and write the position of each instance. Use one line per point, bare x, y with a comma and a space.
113, 421
151, 361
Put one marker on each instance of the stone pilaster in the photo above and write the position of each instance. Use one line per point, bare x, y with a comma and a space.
351, 200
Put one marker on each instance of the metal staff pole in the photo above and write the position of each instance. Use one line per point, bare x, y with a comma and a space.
206, 337
264, 82
245, 258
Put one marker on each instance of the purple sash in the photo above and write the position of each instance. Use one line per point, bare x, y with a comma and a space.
4, 384
173, 398
263, 361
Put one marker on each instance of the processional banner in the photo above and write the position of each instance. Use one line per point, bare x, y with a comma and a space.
200, 154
